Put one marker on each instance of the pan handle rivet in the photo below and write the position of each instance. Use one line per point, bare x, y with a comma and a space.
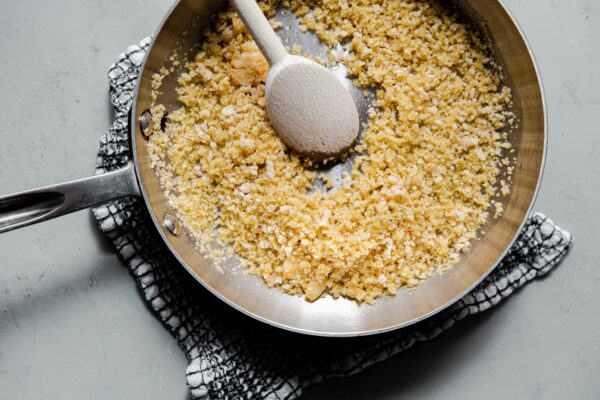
146, 123
171, 224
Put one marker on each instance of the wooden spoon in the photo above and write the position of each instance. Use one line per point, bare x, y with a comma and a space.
308, 105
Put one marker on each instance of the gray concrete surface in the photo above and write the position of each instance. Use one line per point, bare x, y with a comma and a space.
72, 325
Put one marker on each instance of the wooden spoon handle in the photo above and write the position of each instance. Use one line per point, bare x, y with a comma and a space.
261, 30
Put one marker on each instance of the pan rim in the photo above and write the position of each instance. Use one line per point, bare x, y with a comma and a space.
348, 333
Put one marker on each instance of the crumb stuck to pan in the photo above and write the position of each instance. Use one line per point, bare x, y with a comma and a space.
426, 173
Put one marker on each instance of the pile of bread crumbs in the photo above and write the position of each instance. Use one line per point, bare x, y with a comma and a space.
426, 168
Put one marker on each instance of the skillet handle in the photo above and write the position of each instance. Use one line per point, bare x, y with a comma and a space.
37, 205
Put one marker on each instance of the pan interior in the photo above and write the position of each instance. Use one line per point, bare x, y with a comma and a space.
178, 39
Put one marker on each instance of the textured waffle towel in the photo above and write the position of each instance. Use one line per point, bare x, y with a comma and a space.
232, 356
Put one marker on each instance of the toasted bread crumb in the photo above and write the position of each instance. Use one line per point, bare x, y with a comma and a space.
416, 197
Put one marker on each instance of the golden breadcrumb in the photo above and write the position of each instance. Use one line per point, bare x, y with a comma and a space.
425, 174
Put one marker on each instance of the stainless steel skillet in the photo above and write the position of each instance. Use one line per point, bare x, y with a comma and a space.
178, 36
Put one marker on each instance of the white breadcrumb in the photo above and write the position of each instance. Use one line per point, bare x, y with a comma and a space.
424, 178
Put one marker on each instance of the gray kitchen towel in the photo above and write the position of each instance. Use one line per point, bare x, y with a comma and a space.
232, 356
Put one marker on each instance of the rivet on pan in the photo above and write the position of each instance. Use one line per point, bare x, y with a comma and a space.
171, 224
146, 123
